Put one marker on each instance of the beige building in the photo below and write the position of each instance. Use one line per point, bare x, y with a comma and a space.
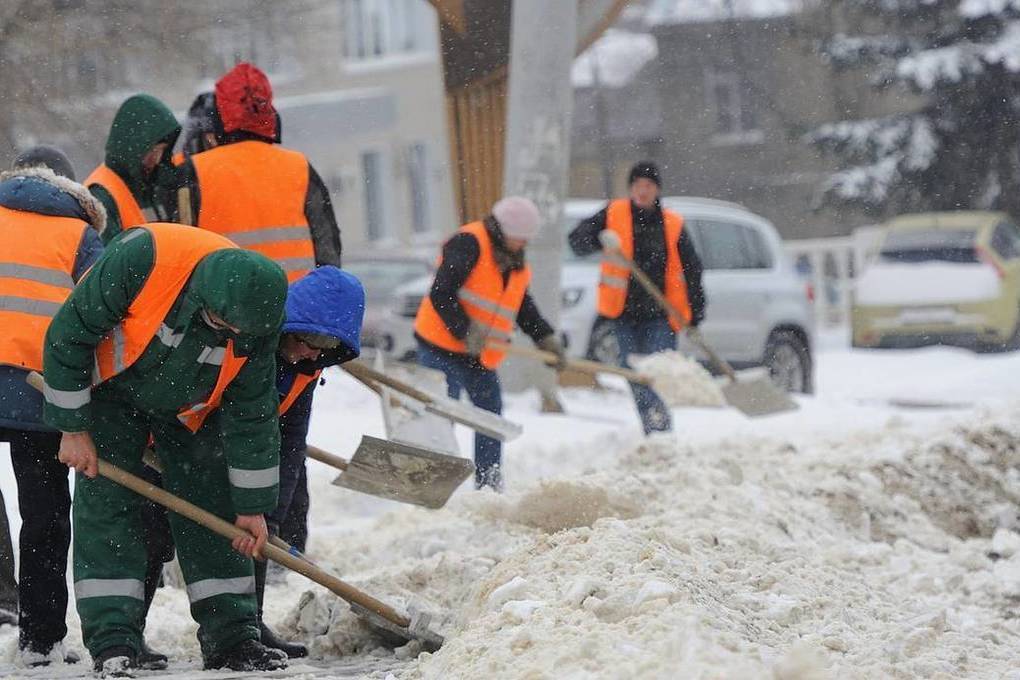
358, 85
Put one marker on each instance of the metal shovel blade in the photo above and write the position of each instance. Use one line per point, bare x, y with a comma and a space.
404, 473
757, 397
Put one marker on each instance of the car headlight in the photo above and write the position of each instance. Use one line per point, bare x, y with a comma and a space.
571, 297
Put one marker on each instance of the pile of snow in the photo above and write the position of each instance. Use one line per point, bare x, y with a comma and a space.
614, 58
926, 283
680, 380
871, 555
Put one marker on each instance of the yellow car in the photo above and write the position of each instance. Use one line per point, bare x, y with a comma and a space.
942, 278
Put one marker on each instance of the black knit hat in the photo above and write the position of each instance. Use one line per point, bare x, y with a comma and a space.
46, 156
646, 169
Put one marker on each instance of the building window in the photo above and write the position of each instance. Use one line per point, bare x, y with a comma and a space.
373, 180
378, 28
729, 98
418, 181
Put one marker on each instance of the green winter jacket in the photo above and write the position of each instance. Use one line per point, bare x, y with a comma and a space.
140, 123
178, 367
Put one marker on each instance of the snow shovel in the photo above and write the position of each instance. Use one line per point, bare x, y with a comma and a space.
579, 365
755, 397
478, 419
413, 627
398, 472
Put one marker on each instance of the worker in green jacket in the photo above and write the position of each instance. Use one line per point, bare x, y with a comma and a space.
137, 162
177, 330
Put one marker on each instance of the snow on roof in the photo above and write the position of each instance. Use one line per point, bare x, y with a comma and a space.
690, 11
618, 55
974, 9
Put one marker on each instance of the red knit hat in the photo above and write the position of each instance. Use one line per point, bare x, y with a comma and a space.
244, 101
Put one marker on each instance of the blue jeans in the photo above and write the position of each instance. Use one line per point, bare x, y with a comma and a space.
482, 385
646, 337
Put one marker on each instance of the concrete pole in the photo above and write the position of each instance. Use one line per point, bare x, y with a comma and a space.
537, 160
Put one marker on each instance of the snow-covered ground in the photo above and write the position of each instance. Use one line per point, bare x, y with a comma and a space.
869, 534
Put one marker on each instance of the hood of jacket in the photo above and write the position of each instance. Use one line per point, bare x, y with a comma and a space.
40, 190
328, 301
141, 122
244, 288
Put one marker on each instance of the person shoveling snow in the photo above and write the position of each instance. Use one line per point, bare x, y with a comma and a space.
681, 381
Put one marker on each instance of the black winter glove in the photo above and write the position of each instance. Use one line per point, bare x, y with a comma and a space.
552, 344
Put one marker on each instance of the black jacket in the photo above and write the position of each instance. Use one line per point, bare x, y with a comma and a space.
460, 254
318, 210
650, 256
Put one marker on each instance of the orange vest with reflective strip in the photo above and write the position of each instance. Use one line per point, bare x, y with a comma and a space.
177, 250
128, 210
301, 381
485, 299
615, 278
36, 266
254, 194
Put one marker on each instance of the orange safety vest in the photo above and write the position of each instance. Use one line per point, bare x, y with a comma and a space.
301, 381
254, 194
178, 250
36, 267
485, 299
615, 278
128, 210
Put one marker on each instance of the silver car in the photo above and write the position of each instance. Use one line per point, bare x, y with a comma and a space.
759, 312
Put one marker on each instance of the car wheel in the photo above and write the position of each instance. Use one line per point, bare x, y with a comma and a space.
789, 362
602, 345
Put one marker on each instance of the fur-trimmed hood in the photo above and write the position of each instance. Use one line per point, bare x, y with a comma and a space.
42, 191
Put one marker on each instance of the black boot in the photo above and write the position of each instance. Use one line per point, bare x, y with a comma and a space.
151, 660
247, 656
293, 650
115, 662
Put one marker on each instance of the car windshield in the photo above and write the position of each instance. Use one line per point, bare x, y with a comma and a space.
380, 277
930, 245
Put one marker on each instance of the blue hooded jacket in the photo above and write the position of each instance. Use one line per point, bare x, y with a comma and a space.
327, 301
35, 192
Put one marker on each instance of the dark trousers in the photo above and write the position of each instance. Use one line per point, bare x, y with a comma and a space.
646, 337
294, 522
44, 501
158, 538
483, 388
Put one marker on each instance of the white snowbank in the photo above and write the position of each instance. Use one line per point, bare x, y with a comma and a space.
926, 283
680, 380
855, 557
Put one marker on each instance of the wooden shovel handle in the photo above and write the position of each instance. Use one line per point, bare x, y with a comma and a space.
364, 373
315, 453
227, 530
645, 282
580, 365
224, 528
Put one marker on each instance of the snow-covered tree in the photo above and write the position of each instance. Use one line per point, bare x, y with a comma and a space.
956, 142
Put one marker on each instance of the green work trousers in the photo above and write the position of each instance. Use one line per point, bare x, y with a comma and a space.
109, 551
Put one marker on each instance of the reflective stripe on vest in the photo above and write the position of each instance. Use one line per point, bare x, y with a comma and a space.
254, 194
36, 267
485, 299
301, 381
177, 251
614, 279
128, 210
